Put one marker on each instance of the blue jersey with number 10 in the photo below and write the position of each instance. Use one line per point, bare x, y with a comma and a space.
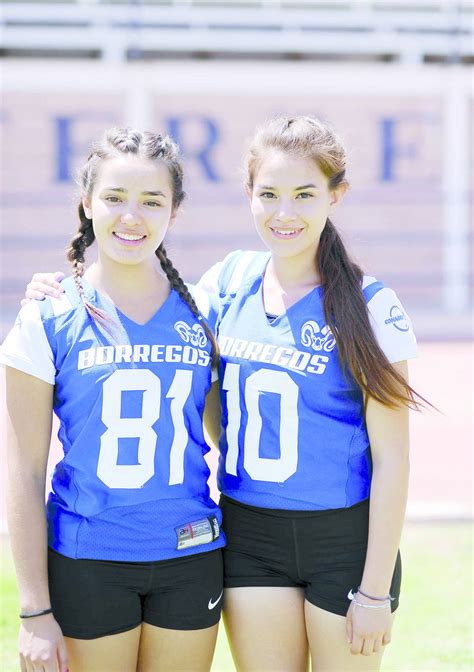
295, 434
133, 476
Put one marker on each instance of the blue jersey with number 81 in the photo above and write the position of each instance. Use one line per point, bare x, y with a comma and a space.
130, 408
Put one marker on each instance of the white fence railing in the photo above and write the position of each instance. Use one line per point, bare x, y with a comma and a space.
399, 30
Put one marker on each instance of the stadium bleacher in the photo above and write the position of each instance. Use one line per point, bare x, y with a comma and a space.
387, 30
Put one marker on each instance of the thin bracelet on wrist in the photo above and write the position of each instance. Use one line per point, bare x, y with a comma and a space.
351, 595
377, 599
32, 614
371, 606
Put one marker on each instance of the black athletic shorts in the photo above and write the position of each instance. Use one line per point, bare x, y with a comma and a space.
95, 598
322, 552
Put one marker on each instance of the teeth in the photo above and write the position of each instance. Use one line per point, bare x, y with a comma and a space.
128, 236
286, 233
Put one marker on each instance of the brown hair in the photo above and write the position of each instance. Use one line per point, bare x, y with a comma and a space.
116, 142
345, 308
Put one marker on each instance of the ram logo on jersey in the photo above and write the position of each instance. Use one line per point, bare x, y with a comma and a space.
194, 335
318, 339
398, 319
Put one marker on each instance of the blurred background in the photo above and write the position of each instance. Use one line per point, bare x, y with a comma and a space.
395, 79
393, 76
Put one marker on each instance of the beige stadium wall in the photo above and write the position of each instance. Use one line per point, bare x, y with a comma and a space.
393, 119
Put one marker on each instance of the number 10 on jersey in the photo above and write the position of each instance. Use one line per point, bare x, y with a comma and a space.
264, 380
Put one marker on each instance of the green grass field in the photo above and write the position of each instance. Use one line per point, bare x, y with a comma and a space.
433, 629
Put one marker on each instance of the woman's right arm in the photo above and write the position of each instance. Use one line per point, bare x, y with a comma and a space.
29, 403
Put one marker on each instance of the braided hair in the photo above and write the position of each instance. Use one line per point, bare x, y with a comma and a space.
116, 142
180, 286
76, 255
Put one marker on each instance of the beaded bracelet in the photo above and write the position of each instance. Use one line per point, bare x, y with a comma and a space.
32, 614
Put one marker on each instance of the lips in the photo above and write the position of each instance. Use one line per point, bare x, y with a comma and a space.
129, 239
128, 236
285, 234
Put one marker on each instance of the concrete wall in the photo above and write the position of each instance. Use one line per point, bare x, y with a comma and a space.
396, 123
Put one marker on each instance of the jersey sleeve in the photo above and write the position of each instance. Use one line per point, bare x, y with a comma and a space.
27, 348
390, 322
209, 281
227, 276
208, 304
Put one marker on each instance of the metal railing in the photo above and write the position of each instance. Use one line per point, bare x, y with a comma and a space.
119, 29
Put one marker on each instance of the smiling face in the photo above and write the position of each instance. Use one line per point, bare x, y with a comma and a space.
131, 208
290, 202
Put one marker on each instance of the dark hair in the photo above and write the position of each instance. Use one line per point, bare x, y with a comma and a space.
345, 308
116, 142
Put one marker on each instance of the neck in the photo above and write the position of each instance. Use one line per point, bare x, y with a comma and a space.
116, 279
291, 272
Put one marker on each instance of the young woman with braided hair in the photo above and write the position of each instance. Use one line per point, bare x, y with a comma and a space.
85, 235
124, 572
314, 394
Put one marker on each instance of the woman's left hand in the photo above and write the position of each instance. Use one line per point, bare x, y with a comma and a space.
368, 629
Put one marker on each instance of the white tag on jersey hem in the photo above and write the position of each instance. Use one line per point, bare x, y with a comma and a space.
197, 533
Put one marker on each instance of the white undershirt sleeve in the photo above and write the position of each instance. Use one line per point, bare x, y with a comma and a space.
27, 348
392, 326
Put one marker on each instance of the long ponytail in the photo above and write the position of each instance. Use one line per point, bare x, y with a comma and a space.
346, 313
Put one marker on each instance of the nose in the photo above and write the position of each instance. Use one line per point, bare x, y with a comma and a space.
130, 217
285, 211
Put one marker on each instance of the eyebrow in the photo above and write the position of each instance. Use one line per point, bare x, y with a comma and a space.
305, 186
120, 190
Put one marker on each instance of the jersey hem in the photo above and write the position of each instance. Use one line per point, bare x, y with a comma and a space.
170, 554
264, 501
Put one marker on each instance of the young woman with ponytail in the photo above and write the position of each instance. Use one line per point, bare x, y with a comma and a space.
124, 572
314, 394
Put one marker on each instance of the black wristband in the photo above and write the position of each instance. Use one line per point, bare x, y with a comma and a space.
32, 614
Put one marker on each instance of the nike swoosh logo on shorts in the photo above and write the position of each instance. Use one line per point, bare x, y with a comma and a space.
350, 595
212, 604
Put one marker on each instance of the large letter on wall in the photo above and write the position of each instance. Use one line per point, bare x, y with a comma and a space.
391, 151
67, 149
196, 136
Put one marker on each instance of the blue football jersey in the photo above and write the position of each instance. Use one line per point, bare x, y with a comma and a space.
294, 430
132, 485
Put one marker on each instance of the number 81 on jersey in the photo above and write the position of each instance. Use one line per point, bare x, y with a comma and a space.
130, 476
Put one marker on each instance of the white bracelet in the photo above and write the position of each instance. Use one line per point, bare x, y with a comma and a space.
371, 606
352, 598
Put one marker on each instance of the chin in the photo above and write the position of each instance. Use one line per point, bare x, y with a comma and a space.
128, 260
285, 249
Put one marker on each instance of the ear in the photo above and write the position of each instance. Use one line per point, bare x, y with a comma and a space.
86, 204
337, 195
174, 214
